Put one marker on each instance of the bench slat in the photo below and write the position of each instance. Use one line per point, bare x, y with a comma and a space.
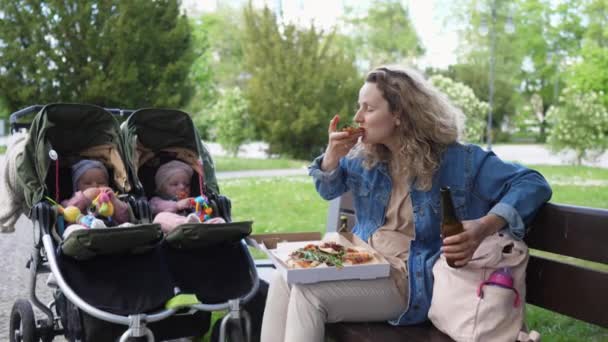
374, 332
571, 290
570, 230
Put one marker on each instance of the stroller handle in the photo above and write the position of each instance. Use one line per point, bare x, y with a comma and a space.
18, 115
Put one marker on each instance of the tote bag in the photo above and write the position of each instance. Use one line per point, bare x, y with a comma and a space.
473, 304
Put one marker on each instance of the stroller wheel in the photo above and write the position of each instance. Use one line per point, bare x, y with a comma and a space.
22, 322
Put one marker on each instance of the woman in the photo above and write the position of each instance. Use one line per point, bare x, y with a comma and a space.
408, 150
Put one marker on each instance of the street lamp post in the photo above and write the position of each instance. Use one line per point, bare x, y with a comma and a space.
491, 77
491, 29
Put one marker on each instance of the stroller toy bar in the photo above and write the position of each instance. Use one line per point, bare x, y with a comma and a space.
102, 206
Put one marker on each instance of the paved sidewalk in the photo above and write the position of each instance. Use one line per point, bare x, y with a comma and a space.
539, 154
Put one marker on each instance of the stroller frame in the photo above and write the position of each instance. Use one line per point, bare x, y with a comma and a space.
43, 260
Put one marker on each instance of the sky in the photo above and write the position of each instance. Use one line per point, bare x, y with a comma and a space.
427, 16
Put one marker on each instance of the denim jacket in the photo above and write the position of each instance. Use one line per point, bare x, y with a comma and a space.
481, 183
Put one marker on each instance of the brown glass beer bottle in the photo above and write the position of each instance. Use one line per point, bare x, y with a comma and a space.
450, 225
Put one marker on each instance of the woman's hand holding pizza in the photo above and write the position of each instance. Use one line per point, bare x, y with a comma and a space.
340, 142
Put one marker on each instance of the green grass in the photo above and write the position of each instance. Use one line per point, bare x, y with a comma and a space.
577, 185
291, 204
559, 328
287, 204
2, 149
242, 164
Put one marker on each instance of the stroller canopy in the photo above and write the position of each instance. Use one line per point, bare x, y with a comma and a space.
154, 130
73, 131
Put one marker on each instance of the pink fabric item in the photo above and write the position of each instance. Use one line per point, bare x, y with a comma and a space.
121, 211
159, 205
78, 200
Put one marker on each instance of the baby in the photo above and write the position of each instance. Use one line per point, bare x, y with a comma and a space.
89, 179
172, 204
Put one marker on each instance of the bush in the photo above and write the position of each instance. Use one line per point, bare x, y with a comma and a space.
463, 97
231, 123
579, 122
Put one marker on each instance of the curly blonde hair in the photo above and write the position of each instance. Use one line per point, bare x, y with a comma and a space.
429, 123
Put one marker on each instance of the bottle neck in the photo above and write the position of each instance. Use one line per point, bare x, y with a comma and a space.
448, 213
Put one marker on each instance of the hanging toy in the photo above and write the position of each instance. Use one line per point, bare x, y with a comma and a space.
72, 214
202, 208
103, 204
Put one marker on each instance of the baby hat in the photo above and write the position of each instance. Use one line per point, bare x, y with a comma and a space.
169, 169
83, 166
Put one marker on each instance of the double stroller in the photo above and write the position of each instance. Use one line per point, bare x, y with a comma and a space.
127, 283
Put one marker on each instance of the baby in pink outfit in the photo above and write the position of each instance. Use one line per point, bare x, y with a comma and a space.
89, 178
172, 204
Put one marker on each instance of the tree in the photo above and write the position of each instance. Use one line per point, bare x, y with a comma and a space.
590, 73
110, 53
298, 80
202, 78
546, 35
580, 122
218, 65
475, 76
232, 124
385, 34
464, 98
225, 31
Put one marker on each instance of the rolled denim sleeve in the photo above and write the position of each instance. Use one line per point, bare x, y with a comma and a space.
514, 221
514, 192
329, 184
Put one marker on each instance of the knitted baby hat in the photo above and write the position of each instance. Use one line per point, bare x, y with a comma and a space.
83, 166
169, 169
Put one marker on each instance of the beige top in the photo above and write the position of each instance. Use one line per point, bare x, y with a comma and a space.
392, 240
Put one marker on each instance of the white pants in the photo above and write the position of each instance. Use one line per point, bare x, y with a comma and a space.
299, 313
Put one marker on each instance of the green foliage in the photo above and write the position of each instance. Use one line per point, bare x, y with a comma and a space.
475, 76
530, 120
463, 97
527, 61
217, 37
591, 74
580, 122
111, 53
225, 32
298, 80
552, 34
596, 12
231, 121
201, 75
385, 34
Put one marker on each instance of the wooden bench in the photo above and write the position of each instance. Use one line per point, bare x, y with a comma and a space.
576, 291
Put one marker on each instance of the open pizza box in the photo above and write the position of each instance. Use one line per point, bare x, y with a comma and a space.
279, 250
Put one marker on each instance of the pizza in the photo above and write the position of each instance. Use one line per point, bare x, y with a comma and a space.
327, 253
352, 130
